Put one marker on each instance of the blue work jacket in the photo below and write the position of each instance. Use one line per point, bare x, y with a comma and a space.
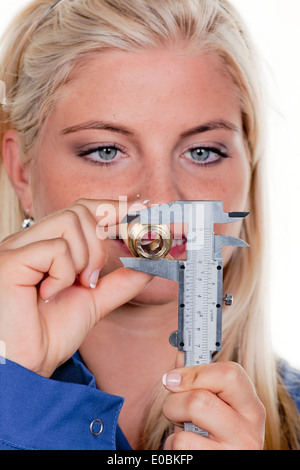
65, 412
68, 411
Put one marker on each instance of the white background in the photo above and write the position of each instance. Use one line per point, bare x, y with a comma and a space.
275, 27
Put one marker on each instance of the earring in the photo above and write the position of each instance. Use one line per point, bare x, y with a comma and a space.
28, 222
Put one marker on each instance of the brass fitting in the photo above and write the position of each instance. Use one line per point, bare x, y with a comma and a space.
143, 244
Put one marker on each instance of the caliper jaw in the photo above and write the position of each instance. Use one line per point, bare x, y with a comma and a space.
180, 212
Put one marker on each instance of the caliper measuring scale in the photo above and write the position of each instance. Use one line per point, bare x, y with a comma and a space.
199, 277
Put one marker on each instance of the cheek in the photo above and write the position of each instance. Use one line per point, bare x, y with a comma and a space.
235, 198
236, 185
232, 230
233, 190
55, 185
52, 190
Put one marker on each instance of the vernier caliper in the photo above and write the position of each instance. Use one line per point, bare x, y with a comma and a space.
199, 277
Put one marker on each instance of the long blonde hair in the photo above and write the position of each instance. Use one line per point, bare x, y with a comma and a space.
38, 53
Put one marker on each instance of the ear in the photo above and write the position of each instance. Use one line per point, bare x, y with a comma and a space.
18, 173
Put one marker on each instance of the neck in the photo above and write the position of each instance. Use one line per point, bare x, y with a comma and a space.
129, 352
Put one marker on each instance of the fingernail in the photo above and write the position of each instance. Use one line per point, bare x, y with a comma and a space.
49, 300
136, 206
94, 279
171, 380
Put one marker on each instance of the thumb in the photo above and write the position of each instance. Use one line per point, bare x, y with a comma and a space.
179, 362
118, 288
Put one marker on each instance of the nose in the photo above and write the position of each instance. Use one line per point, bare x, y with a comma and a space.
158, 184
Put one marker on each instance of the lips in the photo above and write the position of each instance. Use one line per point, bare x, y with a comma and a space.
178, 248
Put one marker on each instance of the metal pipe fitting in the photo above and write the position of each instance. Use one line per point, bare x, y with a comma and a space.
150, 241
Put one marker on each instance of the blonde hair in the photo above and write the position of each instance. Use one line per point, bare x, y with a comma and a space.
39, 53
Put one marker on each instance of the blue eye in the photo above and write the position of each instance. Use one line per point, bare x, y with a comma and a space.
200, 154
105, 155
204, 155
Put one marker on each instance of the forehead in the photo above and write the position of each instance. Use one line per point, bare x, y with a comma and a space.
157, 80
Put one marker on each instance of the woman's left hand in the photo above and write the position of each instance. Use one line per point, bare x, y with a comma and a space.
218, 398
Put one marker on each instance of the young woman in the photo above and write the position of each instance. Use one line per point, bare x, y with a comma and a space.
109, 100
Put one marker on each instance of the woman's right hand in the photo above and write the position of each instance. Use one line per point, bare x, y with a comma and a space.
47, 304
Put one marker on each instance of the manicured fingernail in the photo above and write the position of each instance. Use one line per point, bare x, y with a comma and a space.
136, 206
171, 380
49, 300
94, 279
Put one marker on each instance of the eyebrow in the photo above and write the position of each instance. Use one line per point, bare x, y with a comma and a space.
98, 125
102, 125
211, 126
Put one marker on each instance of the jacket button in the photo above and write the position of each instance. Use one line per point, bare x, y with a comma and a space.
96, 427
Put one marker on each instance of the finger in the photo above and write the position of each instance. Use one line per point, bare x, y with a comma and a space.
226, 379
112, 232
179, 362
106, 212
65, 225
186, 440
206, 411
61, 271
124, 283
111, 213
28, 266
78, 225
110, 217
96, 252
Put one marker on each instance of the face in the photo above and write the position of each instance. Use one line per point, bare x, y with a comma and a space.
157, 123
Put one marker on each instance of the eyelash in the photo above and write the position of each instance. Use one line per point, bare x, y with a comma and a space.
87, 154
210, 149
214, 150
